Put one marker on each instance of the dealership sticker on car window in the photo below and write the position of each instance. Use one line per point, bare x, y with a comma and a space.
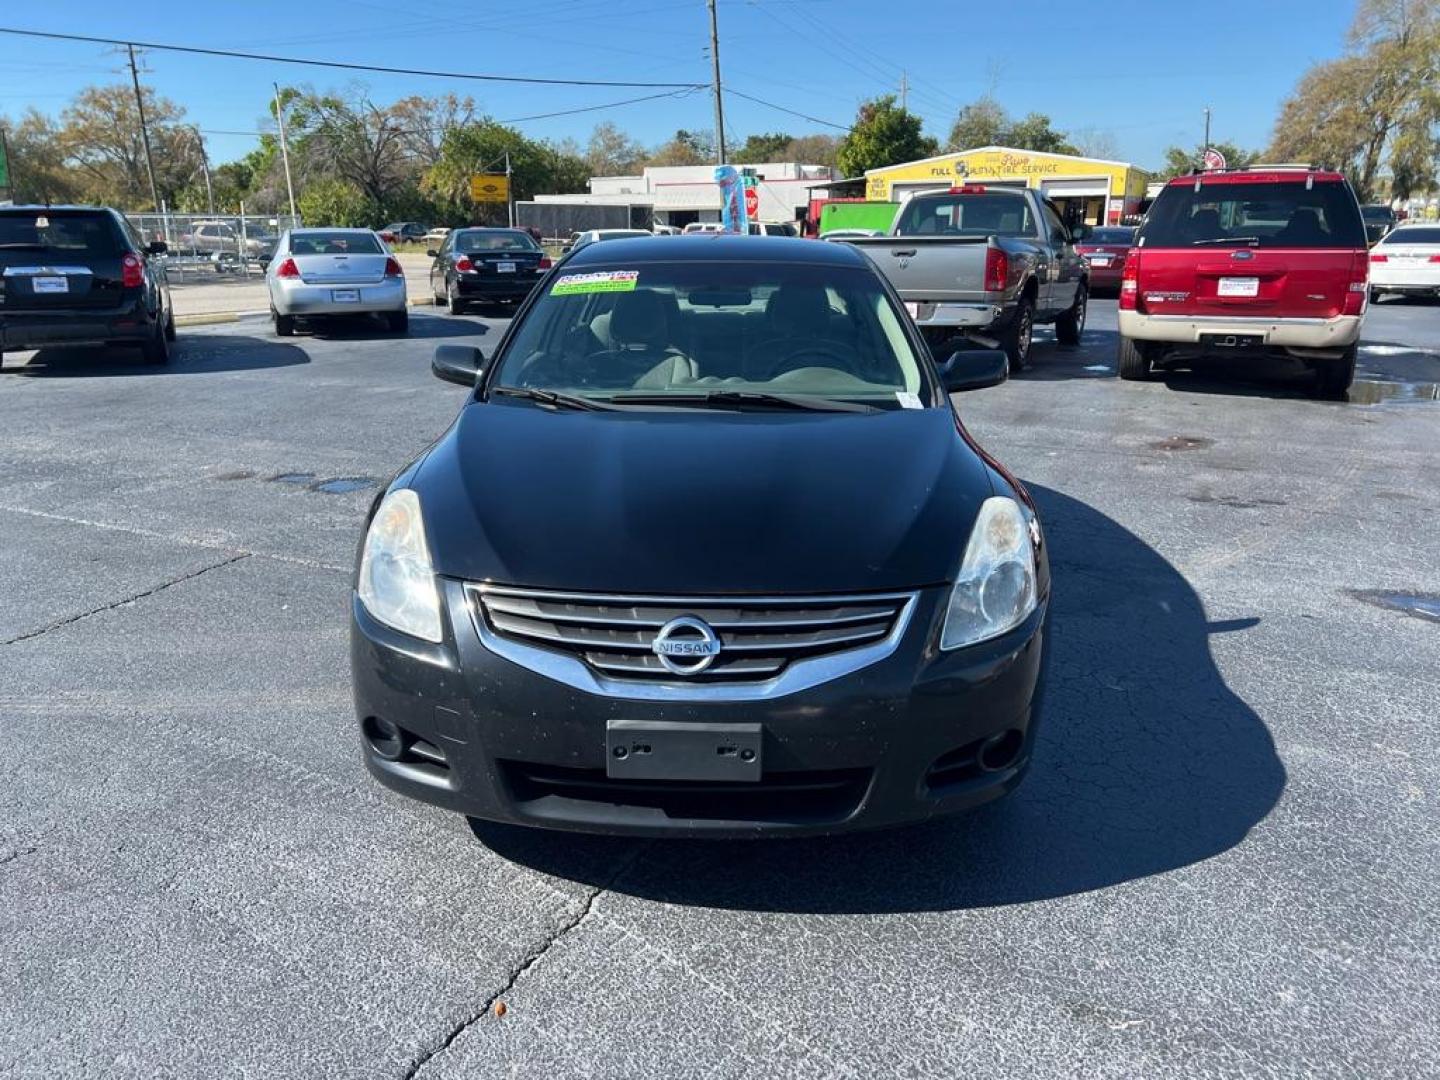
604, 281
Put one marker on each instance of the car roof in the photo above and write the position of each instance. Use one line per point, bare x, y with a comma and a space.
41, 208
1264, 174
329, 229
718, 247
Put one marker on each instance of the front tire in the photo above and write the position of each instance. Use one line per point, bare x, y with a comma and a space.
1134, 364
1071, 324
1333, 377
1019, 335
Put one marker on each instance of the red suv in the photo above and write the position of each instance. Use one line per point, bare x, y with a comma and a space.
1270, 259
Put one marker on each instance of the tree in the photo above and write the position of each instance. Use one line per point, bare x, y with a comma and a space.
813, 150
1096, 143
38, 172
335, 202
981, 123
1377, 105
884, 134
1180, 161
100, 138
986, 123
610, 152
686, 148
758, 149
480, 147
354, 139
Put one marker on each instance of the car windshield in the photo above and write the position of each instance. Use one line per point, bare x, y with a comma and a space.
685, 330
1112, 236
59, 232
1265, 215
1380, 215
1415, 234
335, 243
472, 242
977, 214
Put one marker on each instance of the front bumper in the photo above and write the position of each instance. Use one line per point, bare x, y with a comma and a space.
289, 296
1337, 333
891, 743
130, 322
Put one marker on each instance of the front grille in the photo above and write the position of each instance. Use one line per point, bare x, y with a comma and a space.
759, 637
778, 798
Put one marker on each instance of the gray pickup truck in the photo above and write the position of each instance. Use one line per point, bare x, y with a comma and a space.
985, 264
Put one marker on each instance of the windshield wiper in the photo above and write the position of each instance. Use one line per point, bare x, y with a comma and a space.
552, 398
1251, 240
763, 399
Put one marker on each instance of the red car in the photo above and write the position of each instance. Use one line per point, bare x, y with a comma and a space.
1270, 260
1104, 250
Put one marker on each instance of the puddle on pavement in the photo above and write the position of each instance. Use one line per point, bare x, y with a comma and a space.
294, 478
1418, 605
1182, 442
342, 484
1379, 392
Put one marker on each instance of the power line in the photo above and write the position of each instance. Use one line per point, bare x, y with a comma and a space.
196, 50
781, 108
597, 108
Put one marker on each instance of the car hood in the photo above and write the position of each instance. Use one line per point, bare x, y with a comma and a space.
691, 502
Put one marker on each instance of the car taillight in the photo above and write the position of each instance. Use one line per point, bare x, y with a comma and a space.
464, 265
544, 263
1358, 291
1130, 280
997, 270
132, 275
1435, 258
1380, 258
287, 269
392, 267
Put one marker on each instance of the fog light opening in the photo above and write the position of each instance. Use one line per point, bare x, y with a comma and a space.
384, 737
1001, 751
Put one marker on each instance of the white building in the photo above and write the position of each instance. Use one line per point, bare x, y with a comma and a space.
679, 194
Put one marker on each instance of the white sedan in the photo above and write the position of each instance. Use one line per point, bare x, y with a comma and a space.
1406, 261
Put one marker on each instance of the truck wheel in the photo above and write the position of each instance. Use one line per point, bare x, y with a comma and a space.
1333, 377
1133, 362
1071, 324
1016, 339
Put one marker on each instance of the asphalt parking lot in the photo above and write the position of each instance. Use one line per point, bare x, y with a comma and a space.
1224, 862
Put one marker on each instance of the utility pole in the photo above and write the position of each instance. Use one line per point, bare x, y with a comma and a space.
715, 63
1207, 127
509, 193
205, 168
144, 128
904, 92
285, 154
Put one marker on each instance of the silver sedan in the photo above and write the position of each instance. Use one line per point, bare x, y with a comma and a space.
318, 273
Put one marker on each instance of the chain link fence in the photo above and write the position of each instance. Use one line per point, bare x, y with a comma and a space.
207, 245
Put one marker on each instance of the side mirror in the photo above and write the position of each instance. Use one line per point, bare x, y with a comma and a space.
432, 254
461, 364
1080, 233
974, 369
156, 247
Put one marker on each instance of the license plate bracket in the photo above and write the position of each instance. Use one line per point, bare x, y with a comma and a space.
1232, 341
505, 268
658, 750
345, 296
1238, 286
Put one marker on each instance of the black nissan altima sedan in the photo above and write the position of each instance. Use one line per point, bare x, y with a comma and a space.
706, 551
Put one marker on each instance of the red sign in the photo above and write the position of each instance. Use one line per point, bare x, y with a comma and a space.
1213, 160
752, 203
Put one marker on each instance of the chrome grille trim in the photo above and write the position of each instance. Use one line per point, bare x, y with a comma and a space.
608, 653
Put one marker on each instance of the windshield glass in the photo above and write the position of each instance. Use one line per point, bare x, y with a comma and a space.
1112, 236
471, 242
688, 328
1266, 215
335, 243
1380, 215
994, 213
1415, 234
60, 232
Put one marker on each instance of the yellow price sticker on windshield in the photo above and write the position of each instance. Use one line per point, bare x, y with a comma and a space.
604, 281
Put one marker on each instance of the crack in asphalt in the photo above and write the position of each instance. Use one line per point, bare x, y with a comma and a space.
17, 853
531, 959
70, 619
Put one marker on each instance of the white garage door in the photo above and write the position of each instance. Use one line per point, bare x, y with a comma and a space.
1070, 189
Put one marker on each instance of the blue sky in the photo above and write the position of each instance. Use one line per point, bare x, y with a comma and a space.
1141, 72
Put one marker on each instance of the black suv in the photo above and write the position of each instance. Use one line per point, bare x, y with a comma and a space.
81, 275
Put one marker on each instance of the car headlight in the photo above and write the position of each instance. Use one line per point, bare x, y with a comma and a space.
397, 582
995, 589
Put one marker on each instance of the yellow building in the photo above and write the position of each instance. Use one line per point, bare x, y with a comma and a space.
1095, 191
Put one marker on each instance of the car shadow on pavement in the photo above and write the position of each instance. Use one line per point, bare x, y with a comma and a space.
197, 355
1093, 358
1146, 762
365, 328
